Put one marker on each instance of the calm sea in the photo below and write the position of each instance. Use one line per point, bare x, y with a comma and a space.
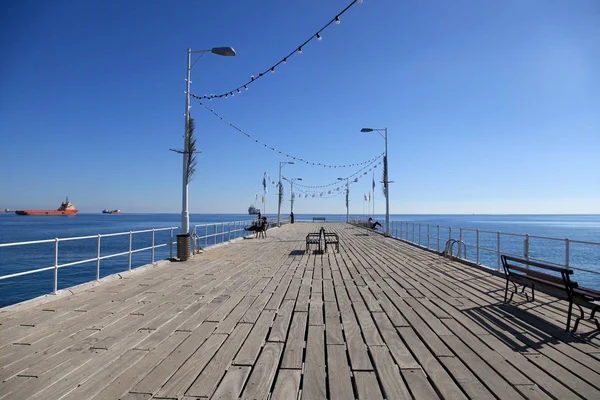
14, 228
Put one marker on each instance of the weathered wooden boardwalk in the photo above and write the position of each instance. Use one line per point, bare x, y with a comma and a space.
261, 317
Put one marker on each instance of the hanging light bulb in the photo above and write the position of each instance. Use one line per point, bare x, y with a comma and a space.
284, 60
319, 37
239, 91
337, 20
300, 50
232, 94
246, 87
252, 77
272, 70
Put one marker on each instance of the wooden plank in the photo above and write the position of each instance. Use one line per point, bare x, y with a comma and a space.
263, 372
294, 346
367, 325
207, 382
338, 373
249, 351
282, 322
167, 367
256, 308
399, 350
367, 385
231, 386
393, 385
313, 386
287, 384
430, 364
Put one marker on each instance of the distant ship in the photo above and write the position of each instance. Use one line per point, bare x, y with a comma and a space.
66, 208
253, 210
105, 211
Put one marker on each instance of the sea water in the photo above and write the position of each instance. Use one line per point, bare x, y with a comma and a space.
15, 228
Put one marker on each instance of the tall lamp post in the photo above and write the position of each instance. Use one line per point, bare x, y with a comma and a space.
281, 164
221, 51
386, 182
347, 200
292, 193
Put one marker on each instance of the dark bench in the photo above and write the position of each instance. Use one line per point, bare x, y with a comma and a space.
314, 238
517, 272
318, 219
331, 238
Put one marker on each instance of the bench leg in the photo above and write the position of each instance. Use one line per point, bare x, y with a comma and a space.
569, 313
577, 320
506, 291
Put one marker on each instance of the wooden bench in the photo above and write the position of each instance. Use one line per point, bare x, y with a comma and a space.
331, 238
517, 272
318, 219
314, 238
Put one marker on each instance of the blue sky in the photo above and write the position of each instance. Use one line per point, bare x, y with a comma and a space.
492, 107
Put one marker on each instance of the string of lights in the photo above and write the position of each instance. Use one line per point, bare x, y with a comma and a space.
281, 152
297, 50
348, 177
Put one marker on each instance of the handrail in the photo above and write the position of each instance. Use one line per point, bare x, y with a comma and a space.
410, 231
99, 257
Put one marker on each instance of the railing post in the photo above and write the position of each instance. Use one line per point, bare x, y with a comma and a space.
477, 243
152, 246
526, 247
419, 233
229, 231
438, 238
567, 253
460, 239
222, 232
130, 244
205, 235
171, 243
428, 233
55, 265
98, 261
215, 232
450, 235
498, 251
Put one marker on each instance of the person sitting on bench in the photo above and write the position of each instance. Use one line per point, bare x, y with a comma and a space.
371, 224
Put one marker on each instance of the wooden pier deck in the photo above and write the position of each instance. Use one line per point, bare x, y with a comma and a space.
261, 317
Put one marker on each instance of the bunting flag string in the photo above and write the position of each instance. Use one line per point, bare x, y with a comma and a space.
348, 177
297, 50
281, 152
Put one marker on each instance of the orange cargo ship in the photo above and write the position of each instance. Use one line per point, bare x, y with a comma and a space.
66, 208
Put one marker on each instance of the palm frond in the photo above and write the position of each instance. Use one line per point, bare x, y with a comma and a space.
280, 194
190, 150
385, 177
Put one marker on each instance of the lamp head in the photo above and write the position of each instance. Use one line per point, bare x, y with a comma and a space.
365, 130
223, 51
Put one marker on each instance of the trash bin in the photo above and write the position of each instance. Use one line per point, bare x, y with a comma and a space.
183, 246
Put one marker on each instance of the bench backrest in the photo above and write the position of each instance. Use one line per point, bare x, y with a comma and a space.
518, 266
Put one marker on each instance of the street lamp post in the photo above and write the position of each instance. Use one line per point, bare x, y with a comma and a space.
292, 193
386, 181
281, 164
347, 200
221, 51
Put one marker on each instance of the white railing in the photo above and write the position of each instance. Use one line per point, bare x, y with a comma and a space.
205, 235
485, 243
99, 257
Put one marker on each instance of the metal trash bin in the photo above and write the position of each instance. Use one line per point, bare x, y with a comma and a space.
184, 246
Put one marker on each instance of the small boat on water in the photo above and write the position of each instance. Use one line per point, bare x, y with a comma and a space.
107, 211
66, 208
253, 210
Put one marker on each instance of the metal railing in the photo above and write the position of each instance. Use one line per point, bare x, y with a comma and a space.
487, 246
98, 258
205, 235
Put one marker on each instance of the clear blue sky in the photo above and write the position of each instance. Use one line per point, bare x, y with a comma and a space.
492, 107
